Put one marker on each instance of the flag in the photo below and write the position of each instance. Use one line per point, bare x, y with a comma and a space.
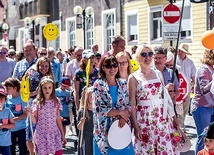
87, 70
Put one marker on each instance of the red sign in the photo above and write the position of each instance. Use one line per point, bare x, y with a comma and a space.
171, 13
183, 88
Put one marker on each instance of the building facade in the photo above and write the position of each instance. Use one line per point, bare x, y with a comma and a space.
138, 21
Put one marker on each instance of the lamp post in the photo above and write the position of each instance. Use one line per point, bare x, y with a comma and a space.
84, 14
4, 31
35, 22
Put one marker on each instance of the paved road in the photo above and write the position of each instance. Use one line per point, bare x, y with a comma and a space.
190, 128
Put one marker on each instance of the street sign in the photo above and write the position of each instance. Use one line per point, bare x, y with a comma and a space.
170, 31
171, 13
183, 88
198, 1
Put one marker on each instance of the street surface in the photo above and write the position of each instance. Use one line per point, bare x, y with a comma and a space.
190, 128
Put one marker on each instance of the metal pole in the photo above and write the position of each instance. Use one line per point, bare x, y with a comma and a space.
83, 14
33, 29
176, 49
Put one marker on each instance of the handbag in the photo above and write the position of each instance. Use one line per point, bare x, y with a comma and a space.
184, 144
179, 109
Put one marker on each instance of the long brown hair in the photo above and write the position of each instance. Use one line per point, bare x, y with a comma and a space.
85, 97
40, 96
42, 60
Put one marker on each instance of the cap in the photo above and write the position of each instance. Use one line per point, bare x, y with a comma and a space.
65, 82
11, 51
3, 92
208, 131
87, 53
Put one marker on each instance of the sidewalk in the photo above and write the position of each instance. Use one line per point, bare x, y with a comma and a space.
190, 128
191, 133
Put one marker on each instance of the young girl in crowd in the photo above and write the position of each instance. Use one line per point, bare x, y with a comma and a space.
49, 134
208, 141
87, 121
6, 123
17, 106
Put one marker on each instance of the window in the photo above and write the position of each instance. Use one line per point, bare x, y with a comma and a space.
109, 26
89, 32
56, 43
132, 27
23, 36
156, 24
186, 31
70, 32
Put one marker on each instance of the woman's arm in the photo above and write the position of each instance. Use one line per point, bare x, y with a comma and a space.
59, 124
76, 93
132, 85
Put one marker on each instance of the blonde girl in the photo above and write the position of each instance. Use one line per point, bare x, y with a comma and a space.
49, 134
87, 121
125, 69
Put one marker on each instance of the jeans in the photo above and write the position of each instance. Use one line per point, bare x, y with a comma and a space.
5, 150
202, 117
21, 136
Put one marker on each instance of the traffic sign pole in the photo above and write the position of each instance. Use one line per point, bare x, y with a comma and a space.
176, 48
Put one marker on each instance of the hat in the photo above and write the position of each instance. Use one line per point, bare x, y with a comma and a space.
208, 131
11, 51
65, 82
170, 56
87, 53
185, 48
3, 92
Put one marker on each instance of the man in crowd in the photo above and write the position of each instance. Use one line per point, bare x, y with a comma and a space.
6, 65
30, 59
118, 45
189, 70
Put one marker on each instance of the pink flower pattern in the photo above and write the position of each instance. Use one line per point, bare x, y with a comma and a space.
157, 131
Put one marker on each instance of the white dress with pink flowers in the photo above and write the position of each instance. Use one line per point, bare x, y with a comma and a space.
157, 131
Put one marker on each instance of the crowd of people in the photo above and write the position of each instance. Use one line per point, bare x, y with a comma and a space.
89, 91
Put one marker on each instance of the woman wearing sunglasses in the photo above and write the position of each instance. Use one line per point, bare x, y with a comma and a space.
151, 117
110, 102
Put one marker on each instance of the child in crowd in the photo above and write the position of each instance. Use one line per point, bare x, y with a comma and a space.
17, 106
67, 99
49, 135
6, 123
86, 121
208, 141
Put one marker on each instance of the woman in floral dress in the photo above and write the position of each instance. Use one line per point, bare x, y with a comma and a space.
152, 119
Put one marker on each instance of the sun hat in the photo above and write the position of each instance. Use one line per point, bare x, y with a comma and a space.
65, 82
87, 53
185, 48
11, 51
170, 56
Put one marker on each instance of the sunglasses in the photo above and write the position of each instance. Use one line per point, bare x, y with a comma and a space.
11, 54
3, 52
146, 54
115, 65
43, 53
168, 65
171, 91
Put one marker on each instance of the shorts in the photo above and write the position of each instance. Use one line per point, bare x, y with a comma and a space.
28, 132
66, 121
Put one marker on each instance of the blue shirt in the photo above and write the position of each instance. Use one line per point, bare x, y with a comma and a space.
65, 97
5, 134
17, 105
56, 68
21, 67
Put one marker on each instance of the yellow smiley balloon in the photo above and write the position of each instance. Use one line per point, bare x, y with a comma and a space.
51, 31
25, 88
134, 64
